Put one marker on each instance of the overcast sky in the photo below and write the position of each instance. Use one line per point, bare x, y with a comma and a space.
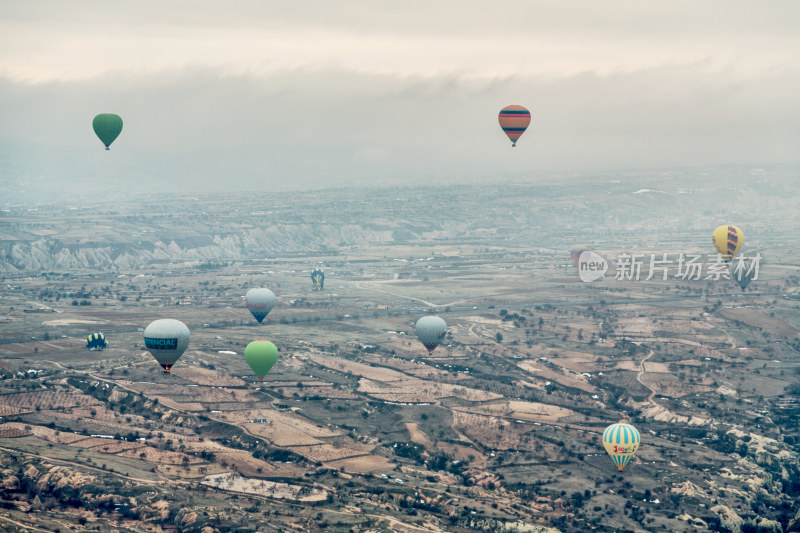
257, 94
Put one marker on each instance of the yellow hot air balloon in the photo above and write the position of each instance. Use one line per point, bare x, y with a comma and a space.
621, 441
728, 240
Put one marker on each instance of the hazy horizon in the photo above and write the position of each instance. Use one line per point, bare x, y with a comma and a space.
256, 95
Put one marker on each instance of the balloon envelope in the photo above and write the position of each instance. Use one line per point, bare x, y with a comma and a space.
727, 240
260, 302
431, 331
514, 119
96, 341
261, 356
107, 126
621, 441
318, 278
575, 254
166, 339
742, 272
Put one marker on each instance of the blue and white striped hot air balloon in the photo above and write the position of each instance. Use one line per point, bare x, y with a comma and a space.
621, 441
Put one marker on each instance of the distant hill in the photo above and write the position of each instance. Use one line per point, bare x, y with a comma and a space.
648, 209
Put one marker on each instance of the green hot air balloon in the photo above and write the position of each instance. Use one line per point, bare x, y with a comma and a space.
261, 355
107, 126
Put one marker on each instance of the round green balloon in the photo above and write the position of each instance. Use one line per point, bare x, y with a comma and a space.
107, 126
261, 356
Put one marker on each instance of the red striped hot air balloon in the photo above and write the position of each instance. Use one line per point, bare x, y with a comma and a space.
514, 119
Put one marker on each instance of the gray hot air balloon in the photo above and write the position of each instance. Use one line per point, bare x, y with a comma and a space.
166, 339
743, 272
260, 302
431, 331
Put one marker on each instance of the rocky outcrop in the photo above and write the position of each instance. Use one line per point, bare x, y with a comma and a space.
794, 524
61, 476
53, 254
728, 519
32, 472
763, 525
188, 519
10, 483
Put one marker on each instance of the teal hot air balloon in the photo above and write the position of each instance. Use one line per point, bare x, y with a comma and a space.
261, 355
107, 126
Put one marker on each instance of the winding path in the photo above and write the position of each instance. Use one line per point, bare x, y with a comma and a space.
25, 527
642, 383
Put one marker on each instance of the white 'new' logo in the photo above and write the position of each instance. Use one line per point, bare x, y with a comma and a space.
591, 266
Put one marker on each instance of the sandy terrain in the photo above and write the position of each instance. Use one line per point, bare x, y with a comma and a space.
358, 369
420, 391
759, 319
278, 421
649, 367
71, 321
576, 381
323, 392
181, 406
29, 401
418, 436
281, 491
538, 412
664, 415
492, 433
324, 453
153, 455
362, 464
204, 376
